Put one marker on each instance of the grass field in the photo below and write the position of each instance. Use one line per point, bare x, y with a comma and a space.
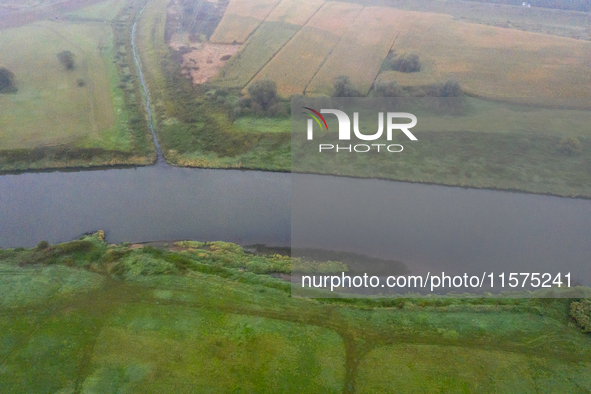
87, 317
298, 61
105, 10
360, 52
242, 17
492, 145
279, 27
84, 117
49, 108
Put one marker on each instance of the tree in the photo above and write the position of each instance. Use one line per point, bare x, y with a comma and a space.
263, 92
570, 145
406, 63
450, 89
344, 88
7, 81
67, 59
388, 89
581, 313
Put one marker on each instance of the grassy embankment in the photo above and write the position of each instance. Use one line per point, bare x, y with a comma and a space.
88, 317
83, 117
491, 145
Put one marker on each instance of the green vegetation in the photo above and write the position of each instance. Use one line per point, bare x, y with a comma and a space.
581, 313
260, 47
7, 82
342, 87
66, 58
80, 108
471, 143
194, 124
570, 145
404, 63
85, 316
388, 89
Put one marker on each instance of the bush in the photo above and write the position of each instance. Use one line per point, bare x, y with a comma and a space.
450, 89
406, 63
277, 110
570, 145
66, 58
344, 88
42, 245
581, 313
388, 89
7, 81
263, 92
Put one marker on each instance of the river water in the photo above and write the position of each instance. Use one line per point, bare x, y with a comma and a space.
423, 226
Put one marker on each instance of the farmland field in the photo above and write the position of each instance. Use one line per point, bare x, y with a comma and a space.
492, 61
295, 65
562, 23
79, 117
242, 17
279, 27
264, 43
361, 51
49, 108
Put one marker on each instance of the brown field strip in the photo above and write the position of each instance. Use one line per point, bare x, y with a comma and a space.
272, 35
299, 60
492, 61
241, 18
296, 12
361, 51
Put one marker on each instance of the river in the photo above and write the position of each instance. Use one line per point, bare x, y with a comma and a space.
424, 226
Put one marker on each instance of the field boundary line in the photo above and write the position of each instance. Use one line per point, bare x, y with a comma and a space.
330, 52
380, 70
261, 22
288, 41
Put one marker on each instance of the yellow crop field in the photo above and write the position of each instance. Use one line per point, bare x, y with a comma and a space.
242, 17
295, 65
361, 51
492, 61
279, 27
49, 107
296, 12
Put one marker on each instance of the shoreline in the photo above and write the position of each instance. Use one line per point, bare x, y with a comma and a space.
155, 163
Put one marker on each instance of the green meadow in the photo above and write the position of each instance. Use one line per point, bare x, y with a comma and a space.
85, 316
79, 117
